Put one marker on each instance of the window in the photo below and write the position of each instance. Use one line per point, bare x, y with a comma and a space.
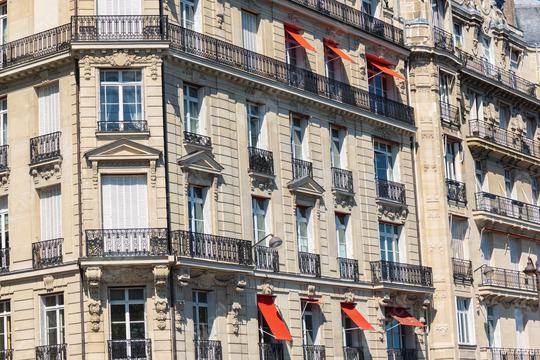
342, 221
249, 30
377, 81
5, 325
200, 315
458, 35
330, 66
531, 127
297, 137
389, 242
3, 23
336, 146
515, 255
520, 328
189, 11
508, 184
477, 107
196, 202
535, 190
491, 328
514, 60
486, 248
4, 232
367, 7
254, 124
52, 320
51, 213
3, 121
291, 50
121, 100
119, 7
191, 109
352, 335
309, 332
395, 337
49, 109
486, 48
452, 157
302, 228
128, 322
437, 11
458, 229
384, 161
479, 174
445, 84
464, 320
124, 201
260, 207
504, 117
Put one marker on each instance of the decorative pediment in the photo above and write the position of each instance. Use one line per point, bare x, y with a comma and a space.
122, 150
200, 161
306, 185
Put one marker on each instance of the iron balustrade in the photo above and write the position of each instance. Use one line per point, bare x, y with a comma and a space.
394, 272
127, 242
449, 115
208, 350
309, 264
463, 272
513, 354
123, 126
266, 258
224, 53
401, 354
314, 352
456, 192
492, 133
355, 18
261, 161
130, 349
51, 352
47, 253
197, 139
348, 268
353, 353
6, 354
302, 168
271, 351
503, 206
443, 40
507, 279
4, 157
342, 180
4, 260
390, 190
45, 147
212, 247
119, 28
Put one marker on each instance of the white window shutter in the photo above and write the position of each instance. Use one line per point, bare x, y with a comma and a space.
51, 213
49, 113
124, 202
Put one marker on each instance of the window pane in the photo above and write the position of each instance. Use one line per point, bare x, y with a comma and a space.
136, 294
136, 312
117, 294
118, 313
118, 331
137, 331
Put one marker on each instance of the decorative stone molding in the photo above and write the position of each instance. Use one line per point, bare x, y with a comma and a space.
241, 285
120, 59
183, 278
348, 297
343, 201
311, 290
266, 289
4, 180
392, 213
161, 274
47, 172
48, 282
262, 184
93, 280
236, 307
180, 321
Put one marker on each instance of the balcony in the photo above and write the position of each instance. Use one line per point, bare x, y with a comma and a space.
4, 261
119, 28
271, 351
443, 40
490, 206
449, 115
513, 354
353, 353
408, 274
401, 354
51, 352
47, 253
130, 349
266, 258
212, 247
6, 354
314, 352
342, 180
462, 270
197, 140
391, 191
45, 148
127, 242
456, 192
261, 161
348, 268
507, 279
223, 53
208, 350
309, 264
302, 168
132, 126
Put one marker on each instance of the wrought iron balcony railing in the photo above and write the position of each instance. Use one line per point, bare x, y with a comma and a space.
208, 350
212, 247
353, 353
462, 269
456, 192
394, 272
449, 115
122, 126
507, 207
4, 261
513, 354
507, 279
127, 242
492, 133
4, 157
402, 354
261, 161
348, 268
6, 354
51, 352
309, 264
140, 349
119, 27
314, 352
271, 351
45, 147
355, 18
216, 50
266, 258
342, 180
197, 139
302, 168
443, 40
390, 190
47, 253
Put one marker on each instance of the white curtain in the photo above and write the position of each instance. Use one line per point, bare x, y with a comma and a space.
459, 230
124, 201
249, 30
51, 213
49, 112
119, 7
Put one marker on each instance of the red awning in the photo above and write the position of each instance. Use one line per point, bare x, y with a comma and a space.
299, 38
269, 311
350, 310
333, 46
379, 60
388, 71
403, 317
310, 301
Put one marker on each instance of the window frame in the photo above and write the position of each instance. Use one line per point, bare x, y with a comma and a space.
193, 201
304, 242
195, 23
386, 237
120, 85
465, 321
342, 224
3, 121
387, 151
457, 35
253, 112
256, 212
57, 309
298, 130
5, 318
197, 304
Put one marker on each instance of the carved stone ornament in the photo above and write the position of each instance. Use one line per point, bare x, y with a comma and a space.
47, 172
311, 290
344, 201
180, 320
240, 285
48, 282
161, 274
120, 59
266, 289
348, 297
183, 279
236, 307
93, 280
4, 180
262, 184
392, 213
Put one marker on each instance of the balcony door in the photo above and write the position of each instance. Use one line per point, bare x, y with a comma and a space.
384, 161
49, 109
119, 7
389, 242
50, 203
4, 233
121, 25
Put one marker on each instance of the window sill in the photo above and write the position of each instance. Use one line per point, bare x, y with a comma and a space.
122, 134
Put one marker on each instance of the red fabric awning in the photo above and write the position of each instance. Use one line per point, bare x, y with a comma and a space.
388, 71
310, 301
269, 311
403, 317
299, 38
350, 310
333, 46
379, 60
